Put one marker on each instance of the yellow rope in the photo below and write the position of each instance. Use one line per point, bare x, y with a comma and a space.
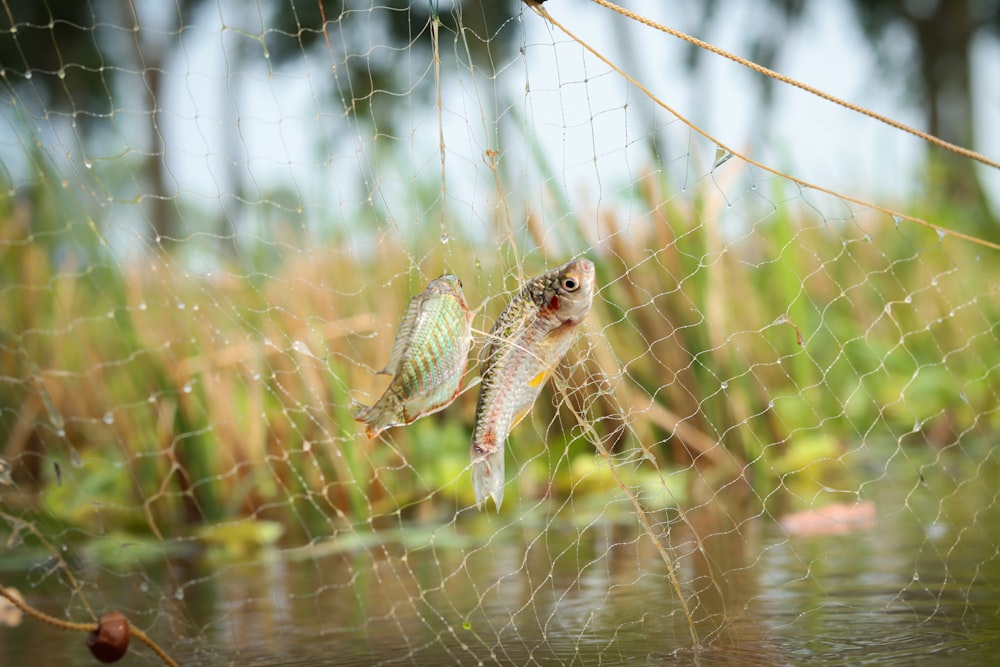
798, 181
42, 616
760, 69
82, 627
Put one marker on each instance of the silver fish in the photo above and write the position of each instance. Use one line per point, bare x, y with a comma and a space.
428, 358
527, 342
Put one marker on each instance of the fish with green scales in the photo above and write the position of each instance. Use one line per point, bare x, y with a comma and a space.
428, 358
526, 344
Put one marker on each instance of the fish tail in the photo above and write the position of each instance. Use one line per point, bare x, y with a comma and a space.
488, 477
378, 417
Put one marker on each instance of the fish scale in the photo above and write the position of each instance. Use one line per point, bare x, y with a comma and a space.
527, 342
428, 358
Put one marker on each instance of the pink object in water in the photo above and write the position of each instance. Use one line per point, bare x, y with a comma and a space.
835, 519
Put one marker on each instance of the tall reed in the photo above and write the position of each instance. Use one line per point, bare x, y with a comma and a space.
144, 395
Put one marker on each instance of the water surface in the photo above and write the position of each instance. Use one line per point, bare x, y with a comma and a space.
553, 583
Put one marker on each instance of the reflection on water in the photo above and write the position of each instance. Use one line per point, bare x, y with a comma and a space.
549, 587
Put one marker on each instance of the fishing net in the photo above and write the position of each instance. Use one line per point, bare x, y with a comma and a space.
774, 440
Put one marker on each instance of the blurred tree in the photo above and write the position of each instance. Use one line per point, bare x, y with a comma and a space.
65, 60
938, 67
51, 48
374, 43
79, 60
942, 34
764, 37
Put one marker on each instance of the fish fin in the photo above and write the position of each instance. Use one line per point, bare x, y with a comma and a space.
540, 379
378, 417
521, 415
360, 411
403, 334
488, 477
437, 400
432, 404
443, 396
535, 383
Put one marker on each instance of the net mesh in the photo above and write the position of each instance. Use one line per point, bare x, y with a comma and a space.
774, 439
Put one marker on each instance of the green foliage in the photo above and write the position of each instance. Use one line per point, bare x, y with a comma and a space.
175, 403
96, 495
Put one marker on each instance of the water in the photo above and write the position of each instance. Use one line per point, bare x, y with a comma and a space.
582, 584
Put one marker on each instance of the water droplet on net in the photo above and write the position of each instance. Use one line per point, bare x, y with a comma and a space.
300, 347
15, 540
444, 236
142, 305
721, 157
941, 234
725, 385
897, 219
179, 594
916, 576
187, 388
109, 418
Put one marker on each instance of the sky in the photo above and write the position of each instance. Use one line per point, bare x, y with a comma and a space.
242, 136
808, 137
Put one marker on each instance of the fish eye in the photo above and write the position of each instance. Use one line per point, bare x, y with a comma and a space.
570, 284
